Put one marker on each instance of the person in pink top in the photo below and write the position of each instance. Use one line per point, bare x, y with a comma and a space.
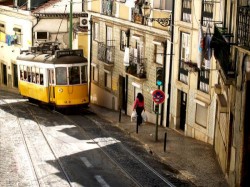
139, 107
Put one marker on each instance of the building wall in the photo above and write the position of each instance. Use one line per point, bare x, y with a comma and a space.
194, 95
148, 33
8, 52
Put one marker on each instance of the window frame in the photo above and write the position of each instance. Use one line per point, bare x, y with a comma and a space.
186, 11
96, 31
204, 116
95, 73
18, 34
123, 40
184, 46
108, 79
208, 15
158, 55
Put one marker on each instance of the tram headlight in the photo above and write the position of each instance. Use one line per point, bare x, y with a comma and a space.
60, 90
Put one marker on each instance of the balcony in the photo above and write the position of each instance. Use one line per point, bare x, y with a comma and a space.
106, 53
244, 26
221, 47
108, 7
136, 67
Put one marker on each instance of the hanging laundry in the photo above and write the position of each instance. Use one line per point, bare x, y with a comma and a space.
200, 54
207, 48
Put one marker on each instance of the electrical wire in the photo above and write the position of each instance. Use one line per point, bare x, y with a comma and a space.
60, 24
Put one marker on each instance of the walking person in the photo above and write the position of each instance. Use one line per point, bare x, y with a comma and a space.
139, 107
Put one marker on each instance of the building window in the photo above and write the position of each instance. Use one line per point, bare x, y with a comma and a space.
184, 56
96, 31
207, 12
2, 27
203, 80
17, 36
186, 10
109, 45
95, 73
201, 115
2, 33
107, 79
163, 4
123, 40
159, 54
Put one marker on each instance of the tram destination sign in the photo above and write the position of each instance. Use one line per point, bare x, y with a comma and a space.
61, 53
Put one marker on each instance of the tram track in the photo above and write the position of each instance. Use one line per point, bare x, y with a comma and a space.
39, 180
131, 165
126, 151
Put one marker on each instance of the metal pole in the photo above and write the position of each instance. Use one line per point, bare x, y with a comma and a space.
165, 142
70, 25
120, 114
156, 127
157, 116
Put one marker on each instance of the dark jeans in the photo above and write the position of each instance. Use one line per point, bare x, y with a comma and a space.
139, 117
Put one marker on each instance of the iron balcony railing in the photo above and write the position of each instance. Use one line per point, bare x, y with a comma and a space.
137, 67
244, 26
221, 48
109, 7
207, 12
106, 53
203, 80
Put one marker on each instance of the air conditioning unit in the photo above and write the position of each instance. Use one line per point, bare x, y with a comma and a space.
83, 21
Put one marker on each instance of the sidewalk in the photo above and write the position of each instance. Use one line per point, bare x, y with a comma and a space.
194, 159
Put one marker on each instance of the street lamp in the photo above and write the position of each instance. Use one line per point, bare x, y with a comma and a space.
146, 11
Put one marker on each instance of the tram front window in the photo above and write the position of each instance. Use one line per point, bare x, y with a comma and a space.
61, 76
74, 75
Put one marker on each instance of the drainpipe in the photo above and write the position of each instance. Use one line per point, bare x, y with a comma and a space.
126, 79
32, 30
170, 65
90, 56
164, 77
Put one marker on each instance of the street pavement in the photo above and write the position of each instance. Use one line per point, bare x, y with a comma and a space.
193, 159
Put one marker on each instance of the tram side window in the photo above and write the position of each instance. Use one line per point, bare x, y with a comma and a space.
61, 76
33, 74
29, 74
41, 79
74, 75
84, 74
25, 73
21, 72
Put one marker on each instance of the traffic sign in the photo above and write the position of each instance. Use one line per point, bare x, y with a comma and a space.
158, 96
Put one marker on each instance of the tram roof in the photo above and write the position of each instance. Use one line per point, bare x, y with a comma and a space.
51, 59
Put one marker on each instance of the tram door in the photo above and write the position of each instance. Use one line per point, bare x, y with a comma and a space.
51, 85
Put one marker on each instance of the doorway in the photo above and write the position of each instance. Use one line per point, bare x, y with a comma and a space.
122, 94
15, 75
4, 75
183, 106
246, 147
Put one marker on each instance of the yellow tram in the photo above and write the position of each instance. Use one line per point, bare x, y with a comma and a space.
59, 78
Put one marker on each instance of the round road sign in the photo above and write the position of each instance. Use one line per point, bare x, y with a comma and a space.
158, 96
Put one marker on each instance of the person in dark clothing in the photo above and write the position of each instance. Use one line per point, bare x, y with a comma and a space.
139, 107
